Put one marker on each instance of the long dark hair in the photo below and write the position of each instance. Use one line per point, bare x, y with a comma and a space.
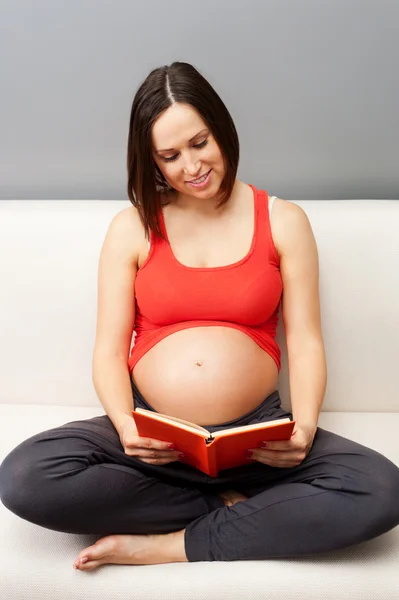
179, 82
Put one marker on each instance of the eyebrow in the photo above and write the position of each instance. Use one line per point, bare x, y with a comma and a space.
190, 140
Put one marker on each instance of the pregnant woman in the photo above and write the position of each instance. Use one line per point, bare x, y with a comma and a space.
197, 269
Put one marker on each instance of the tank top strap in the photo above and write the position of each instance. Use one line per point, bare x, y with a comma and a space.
271, 202
265, 238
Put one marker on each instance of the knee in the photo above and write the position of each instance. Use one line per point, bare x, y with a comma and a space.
384, 492
19, 481
390, 485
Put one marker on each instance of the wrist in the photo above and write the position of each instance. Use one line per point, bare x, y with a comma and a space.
310, 426
120, 422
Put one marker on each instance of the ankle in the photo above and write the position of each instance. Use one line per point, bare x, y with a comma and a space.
172, 546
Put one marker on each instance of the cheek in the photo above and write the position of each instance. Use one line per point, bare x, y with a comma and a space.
216, 157
171, 170
213, 158
167, 169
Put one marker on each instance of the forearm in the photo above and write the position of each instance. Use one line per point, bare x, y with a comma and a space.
308, 380
112, 383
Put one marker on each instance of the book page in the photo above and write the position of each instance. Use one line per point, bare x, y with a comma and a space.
262, 425
168, 418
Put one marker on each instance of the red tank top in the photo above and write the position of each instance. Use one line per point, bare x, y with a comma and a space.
245, 295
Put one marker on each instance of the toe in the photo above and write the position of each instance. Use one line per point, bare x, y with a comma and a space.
90, 565
100, 549
78, 563
101, 552
86, 554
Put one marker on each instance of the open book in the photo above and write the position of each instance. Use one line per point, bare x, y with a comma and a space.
210, 452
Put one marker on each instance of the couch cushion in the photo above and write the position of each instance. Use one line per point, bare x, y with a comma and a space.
36, 563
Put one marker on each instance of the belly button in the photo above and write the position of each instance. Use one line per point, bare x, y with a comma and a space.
198, 363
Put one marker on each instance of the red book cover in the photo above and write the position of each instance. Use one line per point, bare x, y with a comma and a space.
210, 453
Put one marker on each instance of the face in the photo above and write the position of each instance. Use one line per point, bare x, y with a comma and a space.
184, 149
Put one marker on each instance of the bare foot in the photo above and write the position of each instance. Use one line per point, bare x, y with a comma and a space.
133, 550
230, 497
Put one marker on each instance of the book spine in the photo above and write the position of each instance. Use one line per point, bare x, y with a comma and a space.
211, 454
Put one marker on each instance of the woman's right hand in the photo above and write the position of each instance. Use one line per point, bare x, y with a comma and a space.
148, 450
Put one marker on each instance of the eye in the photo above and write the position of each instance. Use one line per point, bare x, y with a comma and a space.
172, 158
201, 145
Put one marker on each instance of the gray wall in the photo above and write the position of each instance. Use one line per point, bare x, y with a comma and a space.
312, 86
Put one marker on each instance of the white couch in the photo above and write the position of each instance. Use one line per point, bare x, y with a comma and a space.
48, 257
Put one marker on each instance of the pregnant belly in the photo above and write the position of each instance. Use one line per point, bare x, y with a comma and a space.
207, 375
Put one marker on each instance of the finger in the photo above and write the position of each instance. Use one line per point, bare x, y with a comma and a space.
158, 461
149, 443
278, 446
269, 456
275, 462
144, 453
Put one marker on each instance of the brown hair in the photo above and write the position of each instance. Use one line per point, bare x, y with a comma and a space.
179, 82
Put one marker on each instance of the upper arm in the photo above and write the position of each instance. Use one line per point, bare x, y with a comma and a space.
116, 276
299, 268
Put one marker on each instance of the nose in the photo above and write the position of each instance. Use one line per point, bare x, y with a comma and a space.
192, 169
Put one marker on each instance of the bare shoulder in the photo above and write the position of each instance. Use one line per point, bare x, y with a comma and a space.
128, 219
126, 233
290, 226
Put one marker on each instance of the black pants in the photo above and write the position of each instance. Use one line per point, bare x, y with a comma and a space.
76, 478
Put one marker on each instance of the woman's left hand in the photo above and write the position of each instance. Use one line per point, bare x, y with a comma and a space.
287, 453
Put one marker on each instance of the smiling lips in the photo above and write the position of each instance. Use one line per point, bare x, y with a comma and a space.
200, 179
